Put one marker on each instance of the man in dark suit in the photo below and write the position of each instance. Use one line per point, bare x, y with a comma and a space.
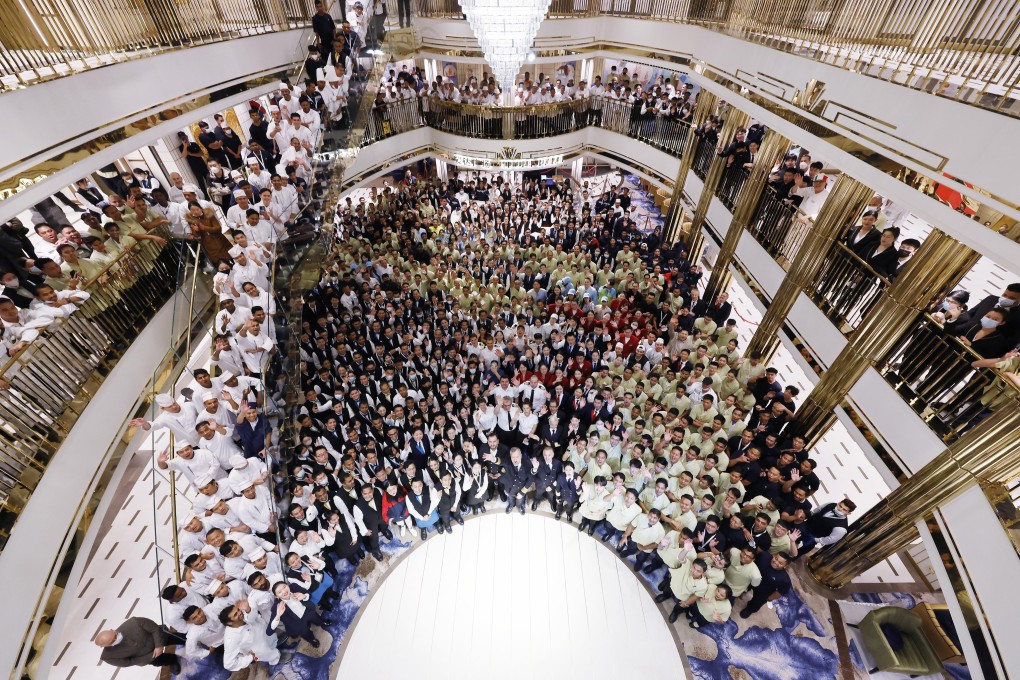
515, 479
720, 309
553, 433
138, 642
568, 497
971, 319
544, 472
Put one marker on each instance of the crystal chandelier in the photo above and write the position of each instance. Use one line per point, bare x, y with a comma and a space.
506, 30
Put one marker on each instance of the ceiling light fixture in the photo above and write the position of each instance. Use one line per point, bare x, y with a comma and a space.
506, 31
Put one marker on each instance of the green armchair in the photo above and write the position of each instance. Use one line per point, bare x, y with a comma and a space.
893, 637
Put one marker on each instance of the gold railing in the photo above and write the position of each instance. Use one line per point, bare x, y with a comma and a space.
525, 122
934, 373
779, 227
50, 381
962, 49
846, 288
44, 39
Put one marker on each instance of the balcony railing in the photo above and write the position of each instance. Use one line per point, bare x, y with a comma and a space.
44, 39
526, 122
961, 50
779, 227
846, 288
48, 383
932, 371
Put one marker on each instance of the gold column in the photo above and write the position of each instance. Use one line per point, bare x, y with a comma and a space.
734, 119
991, 451
706, 106
846, 201
939, 264
771, 151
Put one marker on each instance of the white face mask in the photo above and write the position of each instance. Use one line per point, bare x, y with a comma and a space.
12, 283
1006, 302
988, 323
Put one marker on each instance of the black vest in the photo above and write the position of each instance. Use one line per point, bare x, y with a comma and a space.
822, 522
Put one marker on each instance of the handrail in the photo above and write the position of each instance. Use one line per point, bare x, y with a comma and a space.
967, 54
48, 383
932, 371
40, 40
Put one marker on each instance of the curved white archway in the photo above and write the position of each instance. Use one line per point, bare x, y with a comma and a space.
508, 596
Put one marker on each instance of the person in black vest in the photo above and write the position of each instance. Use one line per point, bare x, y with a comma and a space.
544, 472
449, 501
568, 492
369, 504
476, 487
296, 612
422, 503
515, 479
827, 524
346, 544
775, 581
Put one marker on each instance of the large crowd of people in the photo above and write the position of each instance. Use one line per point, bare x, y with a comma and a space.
473, 345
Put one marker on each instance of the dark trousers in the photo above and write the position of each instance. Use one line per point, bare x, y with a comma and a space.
446, 514
643, 558
513, 501
565, 508
404, 10
757, 601
592, 524
165, 659
548, 493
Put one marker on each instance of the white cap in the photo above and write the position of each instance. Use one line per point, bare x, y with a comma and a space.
256, 554
164, 400
181, 445
188, 519
235, 251
239, 193
239, 485
225, 298
274, 107
236, 174
203, 480
214, 587
206, 396
820, 178
253, 161
189, 189
226, 375
238, 461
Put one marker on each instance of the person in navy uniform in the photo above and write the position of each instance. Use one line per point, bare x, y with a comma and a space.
568, 492
544, 472
515, 478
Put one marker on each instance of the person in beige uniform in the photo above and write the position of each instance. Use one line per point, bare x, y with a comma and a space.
687, 583
594, 504
713, 607
743, 573
623, 511
642, 537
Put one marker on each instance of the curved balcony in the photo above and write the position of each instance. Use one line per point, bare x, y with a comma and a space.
43, 40
963, 51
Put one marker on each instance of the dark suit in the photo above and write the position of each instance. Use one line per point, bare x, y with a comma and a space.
141, 637
544, 478
567, 495
720, 313
300, 626
515, 480
373, 519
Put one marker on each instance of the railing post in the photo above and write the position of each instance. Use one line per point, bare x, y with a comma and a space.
846, 201
675, 215
990, 451
735, 119
939, 264
772, 150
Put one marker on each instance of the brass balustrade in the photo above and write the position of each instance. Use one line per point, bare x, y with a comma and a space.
963, 50
932, 371
779, 227
846, 288
45, 39
51, 380
525, 122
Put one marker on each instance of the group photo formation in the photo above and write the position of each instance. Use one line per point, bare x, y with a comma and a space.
445, 339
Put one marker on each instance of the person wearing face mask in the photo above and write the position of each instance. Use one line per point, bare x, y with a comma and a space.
1007, 301
988, 338
906, 251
